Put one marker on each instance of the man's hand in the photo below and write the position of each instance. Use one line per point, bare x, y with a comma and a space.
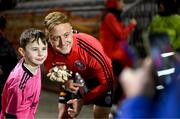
71, 86
76, 107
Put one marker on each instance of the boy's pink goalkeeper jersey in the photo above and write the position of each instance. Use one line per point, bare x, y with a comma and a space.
21, 92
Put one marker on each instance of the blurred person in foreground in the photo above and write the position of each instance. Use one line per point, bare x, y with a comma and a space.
20, 97
84, 54
114, 39
143, 98
8, 56
167, 20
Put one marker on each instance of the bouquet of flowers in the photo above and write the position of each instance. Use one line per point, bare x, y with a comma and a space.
60, 74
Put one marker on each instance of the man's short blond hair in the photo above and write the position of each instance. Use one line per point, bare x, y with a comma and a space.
55, 18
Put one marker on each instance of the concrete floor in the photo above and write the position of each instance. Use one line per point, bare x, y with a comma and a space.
48, 107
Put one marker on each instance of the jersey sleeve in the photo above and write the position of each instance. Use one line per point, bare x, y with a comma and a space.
118, 30
11, 99
103, 73
101, 66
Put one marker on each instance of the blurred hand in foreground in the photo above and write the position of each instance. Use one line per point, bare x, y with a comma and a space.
138, 81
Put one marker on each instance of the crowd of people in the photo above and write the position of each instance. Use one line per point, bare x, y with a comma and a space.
102, 66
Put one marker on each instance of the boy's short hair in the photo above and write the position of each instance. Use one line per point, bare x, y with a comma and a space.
55, 18
3, 22
31, 35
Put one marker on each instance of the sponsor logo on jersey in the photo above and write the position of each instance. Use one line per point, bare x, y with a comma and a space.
80, 65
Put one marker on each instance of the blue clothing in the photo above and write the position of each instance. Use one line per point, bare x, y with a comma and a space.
167, 105
136, 107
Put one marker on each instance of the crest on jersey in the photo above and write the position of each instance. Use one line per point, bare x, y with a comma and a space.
80, 65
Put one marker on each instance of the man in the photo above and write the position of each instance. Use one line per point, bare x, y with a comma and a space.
84, 54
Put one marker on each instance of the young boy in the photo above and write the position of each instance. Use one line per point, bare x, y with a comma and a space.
21, 92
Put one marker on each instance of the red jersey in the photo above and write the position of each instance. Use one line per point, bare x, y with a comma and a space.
112, 34
89, 60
